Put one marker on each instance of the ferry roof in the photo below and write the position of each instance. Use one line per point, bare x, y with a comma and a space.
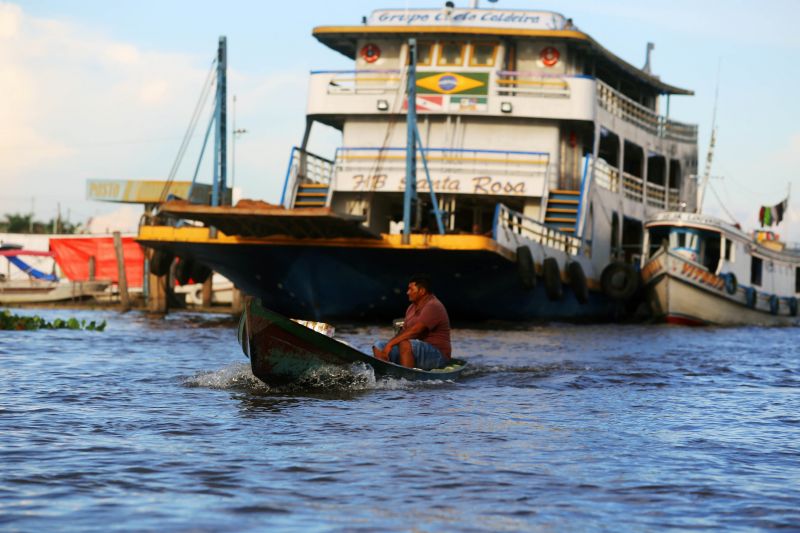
402, 23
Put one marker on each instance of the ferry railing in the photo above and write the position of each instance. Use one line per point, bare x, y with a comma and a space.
520, 83
631, 111
362, 81
656, 195
632, 187
508, 223
606, 176
372, 160
304, 167
673, 199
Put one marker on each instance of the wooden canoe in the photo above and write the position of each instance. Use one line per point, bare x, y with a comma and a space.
283, 351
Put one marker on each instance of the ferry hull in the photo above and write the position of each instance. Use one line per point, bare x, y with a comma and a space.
369, 283
679, 294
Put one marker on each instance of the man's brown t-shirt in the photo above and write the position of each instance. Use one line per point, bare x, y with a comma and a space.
433, 316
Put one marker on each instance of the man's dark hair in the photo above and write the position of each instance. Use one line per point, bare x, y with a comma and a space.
422, 281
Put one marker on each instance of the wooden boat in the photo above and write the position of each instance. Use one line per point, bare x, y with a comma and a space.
699, 270
283, 351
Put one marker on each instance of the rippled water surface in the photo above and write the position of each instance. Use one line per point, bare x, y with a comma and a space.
158, 424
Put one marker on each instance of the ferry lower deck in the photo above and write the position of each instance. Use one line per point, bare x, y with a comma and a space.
365, 279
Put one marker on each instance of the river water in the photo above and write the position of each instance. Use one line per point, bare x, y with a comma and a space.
158, 424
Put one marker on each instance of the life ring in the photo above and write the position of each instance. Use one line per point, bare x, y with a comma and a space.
577, 281
731, 284
183, 271
160, 263
200, 272
370, 52
525, 267
619, 280
552, 279
774, 304
793, 306
549, 56
750, 297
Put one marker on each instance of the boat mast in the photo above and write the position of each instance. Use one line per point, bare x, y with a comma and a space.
218, 196
411, 145
701, 191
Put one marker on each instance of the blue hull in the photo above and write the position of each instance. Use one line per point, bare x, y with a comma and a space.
351, 283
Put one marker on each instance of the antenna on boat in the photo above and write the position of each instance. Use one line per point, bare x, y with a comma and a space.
646, 67
701, 191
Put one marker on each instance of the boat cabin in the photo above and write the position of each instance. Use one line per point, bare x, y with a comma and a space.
760, 260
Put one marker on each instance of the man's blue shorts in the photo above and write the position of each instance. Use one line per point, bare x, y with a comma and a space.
426, 356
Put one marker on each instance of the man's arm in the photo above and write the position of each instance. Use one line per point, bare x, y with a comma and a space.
414, 332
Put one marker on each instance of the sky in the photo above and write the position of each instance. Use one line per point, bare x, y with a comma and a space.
93, 89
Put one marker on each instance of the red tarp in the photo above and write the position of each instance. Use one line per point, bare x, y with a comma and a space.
72, 255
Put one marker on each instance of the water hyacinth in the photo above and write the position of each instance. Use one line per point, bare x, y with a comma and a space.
9, 321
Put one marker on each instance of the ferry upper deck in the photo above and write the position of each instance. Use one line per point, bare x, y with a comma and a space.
536, 61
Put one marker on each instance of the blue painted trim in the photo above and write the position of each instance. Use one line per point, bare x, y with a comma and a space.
456, 150
581, 197
411, 146
288, 172
497, 208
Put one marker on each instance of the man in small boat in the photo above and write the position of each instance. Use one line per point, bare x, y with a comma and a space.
424, 341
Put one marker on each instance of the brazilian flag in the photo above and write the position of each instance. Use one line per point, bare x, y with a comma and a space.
453, 83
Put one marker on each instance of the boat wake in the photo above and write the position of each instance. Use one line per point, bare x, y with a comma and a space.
238, 376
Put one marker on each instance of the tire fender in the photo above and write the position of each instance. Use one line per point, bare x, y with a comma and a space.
774, 304
731, 284
793, 306
750, 297
552, 279
200, 272
183, 270
619, 280
577, 281
525, 267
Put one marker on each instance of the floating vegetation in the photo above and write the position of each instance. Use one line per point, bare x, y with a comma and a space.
9, 321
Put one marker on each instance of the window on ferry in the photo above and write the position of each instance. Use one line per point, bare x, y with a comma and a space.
451, 53
424, 54
756, 266
634, 159
674, 173
482, 54
609, 147
797, 279
656, 168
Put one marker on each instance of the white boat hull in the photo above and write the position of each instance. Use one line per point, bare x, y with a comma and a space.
14, 292
681, 292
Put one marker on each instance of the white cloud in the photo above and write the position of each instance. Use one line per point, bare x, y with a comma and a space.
79, 104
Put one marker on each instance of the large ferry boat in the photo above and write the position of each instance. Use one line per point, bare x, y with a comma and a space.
536, 156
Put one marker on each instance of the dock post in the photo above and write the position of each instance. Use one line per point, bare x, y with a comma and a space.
208, 290
123, 280
157, 297
92, 267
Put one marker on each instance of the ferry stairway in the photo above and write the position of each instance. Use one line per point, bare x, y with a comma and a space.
562, 210
311, 194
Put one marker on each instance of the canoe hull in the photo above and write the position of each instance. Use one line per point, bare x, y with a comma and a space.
282, 351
